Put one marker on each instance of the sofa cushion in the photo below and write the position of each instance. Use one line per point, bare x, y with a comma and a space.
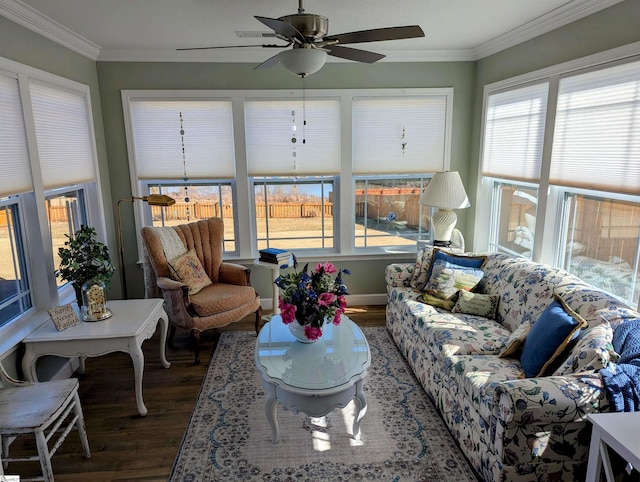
448, 334
592, 352
221, 297
188, 269
478, 376
515, 341
549, 336
476, 304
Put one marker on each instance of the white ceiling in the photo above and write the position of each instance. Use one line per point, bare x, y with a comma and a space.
151, 30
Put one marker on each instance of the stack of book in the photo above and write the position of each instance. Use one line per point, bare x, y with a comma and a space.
276, 256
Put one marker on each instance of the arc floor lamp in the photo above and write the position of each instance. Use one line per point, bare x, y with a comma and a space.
152, 200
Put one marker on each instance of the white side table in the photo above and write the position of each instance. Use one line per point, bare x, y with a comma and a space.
275, 272
618, 431
133, 322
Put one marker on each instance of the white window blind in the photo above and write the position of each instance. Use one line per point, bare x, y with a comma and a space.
14, 157
63, 135
208, 139
597, 135
514, 132
382, 125
269, 126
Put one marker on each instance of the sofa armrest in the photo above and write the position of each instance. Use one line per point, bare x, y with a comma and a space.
550, 399
235, 274
399, 274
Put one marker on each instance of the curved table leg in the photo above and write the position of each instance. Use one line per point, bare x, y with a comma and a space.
270, 408
361, 402
137, 357
164, 327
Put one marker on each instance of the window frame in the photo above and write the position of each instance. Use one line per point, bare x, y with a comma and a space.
343, 191
549, 215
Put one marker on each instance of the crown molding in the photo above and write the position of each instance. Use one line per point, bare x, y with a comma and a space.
28, 17
557, 18
260, 55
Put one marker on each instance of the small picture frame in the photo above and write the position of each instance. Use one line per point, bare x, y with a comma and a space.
64, 317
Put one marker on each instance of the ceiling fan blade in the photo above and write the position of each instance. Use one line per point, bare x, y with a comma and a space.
270, 62
354, 54
267, 46
377, 35
284, 29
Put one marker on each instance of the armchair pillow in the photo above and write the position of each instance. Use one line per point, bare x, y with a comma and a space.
188, 269
556, 327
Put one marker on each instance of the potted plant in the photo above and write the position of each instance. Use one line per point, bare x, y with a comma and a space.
84, 258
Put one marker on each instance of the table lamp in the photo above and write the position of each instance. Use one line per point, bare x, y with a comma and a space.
151, 200
446, 192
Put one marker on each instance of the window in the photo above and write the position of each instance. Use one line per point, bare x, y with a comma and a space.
272, 162
602, 243
49, 173
184, 148
388, 212
514, 222
14, 288
206, 200
581, 197
294, 213
66, 213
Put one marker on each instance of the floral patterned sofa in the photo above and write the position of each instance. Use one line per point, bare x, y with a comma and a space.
509, 427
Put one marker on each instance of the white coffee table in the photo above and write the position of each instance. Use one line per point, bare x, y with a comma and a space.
313, 378
133, 322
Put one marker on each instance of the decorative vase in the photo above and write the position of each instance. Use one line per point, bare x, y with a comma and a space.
297, 330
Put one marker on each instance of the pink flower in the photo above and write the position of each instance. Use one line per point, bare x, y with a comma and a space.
287, 311
329, 268
311, 332
325, 299
336, 319
342, 301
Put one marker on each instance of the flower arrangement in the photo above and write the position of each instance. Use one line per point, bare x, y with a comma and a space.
312, 298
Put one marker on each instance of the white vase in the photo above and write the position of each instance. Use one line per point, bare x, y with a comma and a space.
297, 330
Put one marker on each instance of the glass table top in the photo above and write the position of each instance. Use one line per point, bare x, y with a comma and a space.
340, 355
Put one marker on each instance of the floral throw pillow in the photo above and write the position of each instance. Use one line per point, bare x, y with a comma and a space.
188, 269
477, 304
515, 341
421, 271
592, 352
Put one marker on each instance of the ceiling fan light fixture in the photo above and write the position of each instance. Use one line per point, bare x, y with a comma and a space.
303, 61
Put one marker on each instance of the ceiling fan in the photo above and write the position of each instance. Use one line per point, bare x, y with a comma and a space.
307, 33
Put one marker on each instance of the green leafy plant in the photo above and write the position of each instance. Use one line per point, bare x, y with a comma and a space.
84, 258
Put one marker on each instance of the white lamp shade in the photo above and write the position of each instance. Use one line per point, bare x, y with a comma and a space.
445, 190
303, 61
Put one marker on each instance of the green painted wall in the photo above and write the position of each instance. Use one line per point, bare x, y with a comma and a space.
613, 27
368, 276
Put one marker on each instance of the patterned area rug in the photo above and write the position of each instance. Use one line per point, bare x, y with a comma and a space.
402, 436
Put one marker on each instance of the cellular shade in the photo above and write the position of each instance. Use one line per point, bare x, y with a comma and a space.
63, 135
14, 156
208, 139
382, 125
514, 132
597, 134
269, 129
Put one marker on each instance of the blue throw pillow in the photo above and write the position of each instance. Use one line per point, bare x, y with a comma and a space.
556, 327
459, 260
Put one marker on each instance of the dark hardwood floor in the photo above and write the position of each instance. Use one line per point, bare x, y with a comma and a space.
125, 446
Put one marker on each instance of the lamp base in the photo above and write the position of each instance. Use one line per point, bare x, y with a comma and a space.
441, 244
443, 221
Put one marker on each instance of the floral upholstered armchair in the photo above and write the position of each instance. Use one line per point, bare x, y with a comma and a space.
183, 264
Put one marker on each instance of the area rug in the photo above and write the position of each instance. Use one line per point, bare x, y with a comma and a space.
402, 436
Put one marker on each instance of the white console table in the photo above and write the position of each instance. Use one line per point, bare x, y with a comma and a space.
133, 322
618, 431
